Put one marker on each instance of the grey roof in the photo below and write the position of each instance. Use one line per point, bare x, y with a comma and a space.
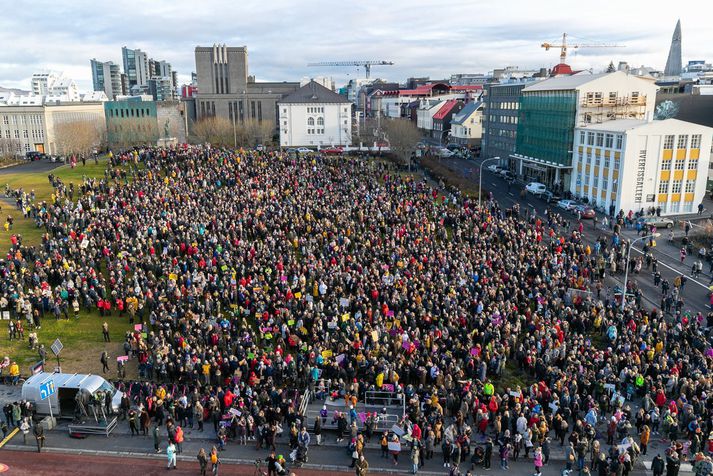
465, 112
314, 93
565, 83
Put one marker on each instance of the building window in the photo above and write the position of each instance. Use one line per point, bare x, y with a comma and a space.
617, 163
668, 142
600, 139
605, 183
609, 143
597, 159
690, 185
310, 121
595, 183
590, 138
696, 141
607, 162
687, 207
619, 141
692, 164
666, 165
320, 121
676, 186
663, 186
679, 164
682, 141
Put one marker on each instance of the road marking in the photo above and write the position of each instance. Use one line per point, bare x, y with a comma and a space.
675, 270
8, 438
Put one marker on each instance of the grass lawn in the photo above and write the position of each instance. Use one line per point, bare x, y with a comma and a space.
43, 191
82, 339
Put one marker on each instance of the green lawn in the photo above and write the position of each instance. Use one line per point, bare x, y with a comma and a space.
82, 339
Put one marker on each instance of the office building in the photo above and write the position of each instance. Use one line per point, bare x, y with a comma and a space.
106, 76
315, 116
226, 90
630, 164
136, 66
551, 109
501, 111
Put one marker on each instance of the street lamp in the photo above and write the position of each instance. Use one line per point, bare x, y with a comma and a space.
628, 257
480, 176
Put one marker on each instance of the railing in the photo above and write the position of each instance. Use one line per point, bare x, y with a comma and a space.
304, 401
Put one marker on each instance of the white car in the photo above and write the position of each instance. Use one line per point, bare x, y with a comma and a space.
536, 188
567, 204
304, 150
445, 153
493, 168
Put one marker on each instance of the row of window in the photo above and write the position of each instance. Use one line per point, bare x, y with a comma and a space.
315, 131
600, 139
32, 119
680, 164
598, 161
129, 112
682, 142
675, 207
320, 121
676, 186
314, 110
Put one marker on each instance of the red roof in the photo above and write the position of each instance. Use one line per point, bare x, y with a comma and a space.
445, 109
423, 90
470, 87
562, 69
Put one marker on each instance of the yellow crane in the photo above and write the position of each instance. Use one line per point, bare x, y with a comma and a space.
563, 46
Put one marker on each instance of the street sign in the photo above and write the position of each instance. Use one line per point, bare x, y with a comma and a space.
56, 347
46, 389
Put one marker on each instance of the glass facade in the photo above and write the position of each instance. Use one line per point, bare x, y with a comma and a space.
546, 127
501, 105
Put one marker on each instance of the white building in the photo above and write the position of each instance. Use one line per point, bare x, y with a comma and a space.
326, 81
426, 110
55, 85
315, 116
467, 125
633, 164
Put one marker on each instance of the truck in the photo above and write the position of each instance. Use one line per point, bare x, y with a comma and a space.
64, 400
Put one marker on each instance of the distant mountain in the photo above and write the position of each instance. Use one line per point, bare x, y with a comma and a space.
13, 90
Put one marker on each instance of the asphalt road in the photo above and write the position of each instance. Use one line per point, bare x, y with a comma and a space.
36, 166
695, 293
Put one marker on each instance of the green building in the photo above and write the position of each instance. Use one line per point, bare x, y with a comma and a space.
131, 122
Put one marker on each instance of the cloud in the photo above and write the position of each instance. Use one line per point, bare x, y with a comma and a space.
422, 37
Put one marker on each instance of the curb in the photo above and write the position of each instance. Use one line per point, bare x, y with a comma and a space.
235, 461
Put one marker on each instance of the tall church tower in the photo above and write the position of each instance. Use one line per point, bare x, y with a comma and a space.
674, 63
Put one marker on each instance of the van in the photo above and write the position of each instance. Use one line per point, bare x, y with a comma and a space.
66, 386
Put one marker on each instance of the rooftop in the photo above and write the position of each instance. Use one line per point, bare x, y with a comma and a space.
464, 113
565, 83
314, 92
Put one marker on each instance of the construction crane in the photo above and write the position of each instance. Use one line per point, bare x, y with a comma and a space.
366, 64
563, 47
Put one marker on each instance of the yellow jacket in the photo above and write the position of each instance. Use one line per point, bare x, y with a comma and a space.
14, 370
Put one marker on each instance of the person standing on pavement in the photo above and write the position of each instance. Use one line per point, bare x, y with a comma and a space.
487, 456
39, 432
104, 359
157, 439
317, 429
132, 422
362, 466
202, 461
25, 429
657, 465
171, 455
214, 461
415, 457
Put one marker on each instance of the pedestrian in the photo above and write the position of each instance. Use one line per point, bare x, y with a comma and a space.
214, 461
39, 432
657, 465
537, 460
105, 332
25, 429
317, 430
171, 455
157, 439
202, 461
415, 456
133, 423
362, 466
104, 359
504, 455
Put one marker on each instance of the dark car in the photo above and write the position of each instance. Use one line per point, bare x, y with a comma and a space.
585, 212
34, 155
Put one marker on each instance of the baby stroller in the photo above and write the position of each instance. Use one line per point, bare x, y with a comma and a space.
298, 456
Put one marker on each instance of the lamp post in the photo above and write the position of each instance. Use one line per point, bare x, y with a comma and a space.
626, 271
480, 176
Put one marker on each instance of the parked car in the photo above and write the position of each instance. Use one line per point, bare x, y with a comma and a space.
333, 151
304, 150
493, 168
551, 197
508, 175
443, 152
585, 212
536, 188
567, 204
658, 222
34, 155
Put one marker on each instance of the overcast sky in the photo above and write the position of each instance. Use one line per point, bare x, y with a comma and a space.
422, 38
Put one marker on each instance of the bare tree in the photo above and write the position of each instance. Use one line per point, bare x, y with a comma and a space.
368, 132
213, 130
253, 132
132, 132
9, 148
78, 137
403, 136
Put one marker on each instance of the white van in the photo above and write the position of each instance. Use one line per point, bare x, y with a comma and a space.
66, 388
536, 188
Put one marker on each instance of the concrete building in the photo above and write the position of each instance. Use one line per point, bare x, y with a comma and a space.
161, 88
467, 125
55, 85
632, 164
226, 90
501, 111
315, 116
551, 109
136, 66
106, 76
31, 123
139, 120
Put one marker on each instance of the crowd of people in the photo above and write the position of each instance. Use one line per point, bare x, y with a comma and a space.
250, 276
